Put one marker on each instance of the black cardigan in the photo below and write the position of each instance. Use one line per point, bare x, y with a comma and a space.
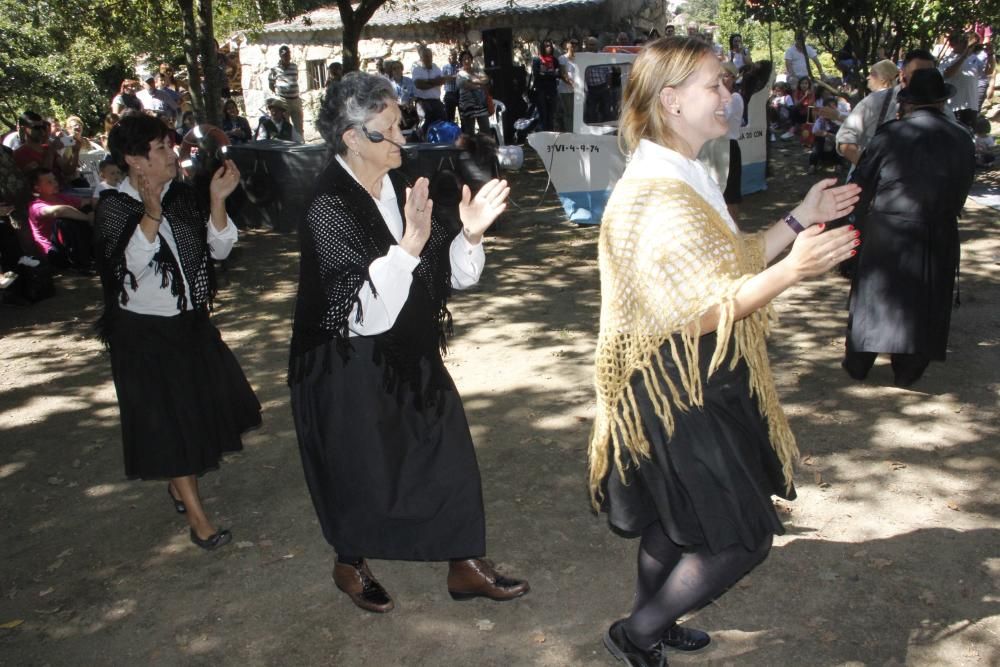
340, 236
118, 214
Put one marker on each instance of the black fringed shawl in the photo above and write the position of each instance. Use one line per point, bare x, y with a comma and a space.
341, 235
118, 214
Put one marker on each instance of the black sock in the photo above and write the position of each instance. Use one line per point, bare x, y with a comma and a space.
353, 561
697, 578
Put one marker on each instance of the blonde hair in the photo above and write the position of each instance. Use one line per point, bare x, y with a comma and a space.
665, 62
886, 70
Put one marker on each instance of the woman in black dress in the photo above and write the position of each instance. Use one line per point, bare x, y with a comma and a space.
183, 398
385, 446
689, 441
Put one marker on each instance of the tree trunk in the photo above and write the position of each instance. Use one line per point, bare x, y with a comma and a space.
211, 72
191, 49
354, 20
204, 83
351, 37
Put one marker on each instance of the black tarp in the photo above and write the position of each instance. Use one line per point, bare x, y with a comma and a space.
279, 179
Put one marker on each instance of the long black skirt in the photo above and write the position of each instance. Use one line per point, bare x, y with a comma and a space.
733, 193
183, 398
390, 477
711, 482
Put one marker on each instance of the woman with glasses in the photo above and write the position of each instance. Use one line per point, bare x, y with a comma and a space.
385, 446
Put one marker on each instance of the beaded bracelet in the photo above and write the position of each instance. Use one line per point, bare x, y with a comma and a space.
794, 224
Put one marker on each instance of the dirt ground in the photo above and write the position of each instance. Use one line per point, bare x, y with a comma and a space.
892, 551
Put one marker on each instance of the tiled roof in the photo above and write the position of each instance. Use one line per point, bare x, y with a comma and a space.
406, 12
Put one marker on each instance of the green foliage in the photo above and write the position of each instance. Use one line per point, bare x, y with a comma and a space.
70, 56
875, 27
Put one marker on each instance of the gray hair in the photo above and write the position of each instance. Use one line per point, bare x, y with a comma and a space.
349, 103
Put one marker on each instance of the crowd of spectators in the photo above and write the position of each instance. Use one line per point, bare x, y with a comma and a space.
836, 116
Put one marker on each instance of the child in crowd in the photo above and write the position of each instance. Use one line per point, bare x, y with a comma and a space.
111, 177
824, 131
780, 107
59, 227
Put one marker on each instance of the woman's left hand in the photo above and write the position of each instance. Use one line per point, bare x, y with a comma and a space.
479, 212
225, 180
824, 202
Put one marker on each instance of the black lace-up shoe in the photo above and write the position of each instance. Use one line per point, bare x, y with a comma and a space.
685, 639
622, 648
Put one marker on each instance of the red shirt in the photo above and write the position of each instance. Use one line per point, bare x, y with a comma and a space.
28, 157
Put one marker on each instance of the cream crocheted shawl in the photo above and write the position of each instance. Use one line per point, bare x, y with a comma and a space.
666, 257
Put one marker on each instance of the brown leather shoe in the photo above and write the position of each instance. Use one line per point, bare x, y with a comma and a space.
363, 588
477, 577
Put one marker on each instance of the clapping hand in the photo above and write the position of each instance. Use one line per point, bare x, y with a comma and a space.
479, 212
824, 202
418, 209
224, 181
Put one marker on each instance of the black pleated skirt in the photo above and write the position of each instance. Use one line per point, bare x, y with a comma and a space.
711, 482
183, 398
390, 476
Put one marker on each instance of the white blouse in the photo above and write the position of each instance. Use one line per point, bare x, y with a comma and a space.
392, 274
149, 298
651, 160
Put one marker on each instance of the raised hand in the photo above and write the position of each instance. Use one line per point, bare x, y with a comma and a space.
479, 212
824, 202
224, 181
417, 211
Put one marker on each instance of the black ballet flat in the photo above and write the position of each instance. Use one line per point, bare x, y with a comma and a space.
179, 505
219, 539
685, 639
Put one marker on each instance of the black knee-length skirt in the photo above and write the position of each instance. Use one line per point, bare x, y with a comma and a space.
183, 398
390, 476
710, 482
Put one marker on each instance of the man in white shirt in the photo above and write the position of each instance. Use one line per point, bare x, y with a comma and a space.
428, 79
962, 69
153, 99
797, 59
450, 71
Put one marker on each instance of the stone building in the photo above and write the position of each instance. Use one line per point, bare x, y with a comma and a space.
502, 34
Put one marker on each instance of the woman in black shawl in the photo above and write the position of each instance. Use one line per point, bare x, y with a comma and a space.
385, 445
183, 398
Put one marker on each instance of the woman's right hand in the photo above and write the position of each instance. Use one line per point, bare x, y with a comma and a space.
417, 210
816, 251
149, 194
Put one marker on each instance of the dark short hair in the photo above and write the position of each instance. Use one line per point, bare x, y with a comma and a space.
35, 174
132, 136
284, 48
349, 103
919, 54
106, 161
29, 118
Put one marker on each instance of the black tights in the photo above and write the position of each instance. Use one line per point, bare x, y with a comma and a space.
674, 580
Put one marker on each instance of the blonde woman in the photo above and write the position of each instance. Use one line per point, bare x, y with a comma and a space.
689, 442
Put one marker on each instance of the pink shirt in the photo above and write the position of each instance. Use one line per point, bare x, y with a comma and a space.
42, 225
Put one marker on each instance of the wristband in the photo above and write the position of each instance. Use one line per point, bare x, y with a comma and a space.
154, 219
793, 223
